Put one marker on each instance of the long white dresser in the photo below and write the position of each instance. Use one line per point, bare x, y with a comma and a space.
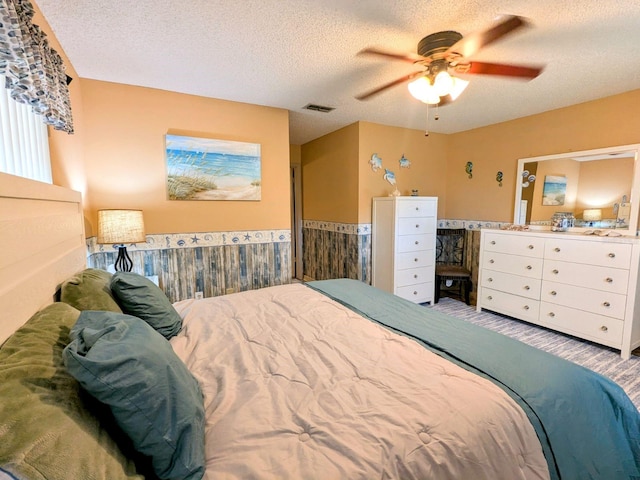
403, 246
578, 284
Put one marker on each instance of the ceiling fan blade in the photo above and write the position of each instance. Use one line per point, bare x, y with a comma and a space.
484, 68
406, 78
470, 44
406, 57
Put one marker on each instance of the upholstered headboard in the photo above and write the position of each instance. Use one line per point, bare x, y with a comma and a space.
41, 244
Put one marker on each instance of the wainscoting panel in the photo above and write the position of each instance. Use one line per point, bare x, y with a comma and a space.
338, 250
333, 250
183, 268
218, 263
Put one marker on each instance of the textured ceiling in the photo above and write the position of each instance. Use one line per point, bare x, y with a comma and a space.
288, 53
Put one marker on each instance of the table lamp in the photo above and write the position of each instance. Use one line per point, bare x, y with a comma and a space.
118, 227
592, 215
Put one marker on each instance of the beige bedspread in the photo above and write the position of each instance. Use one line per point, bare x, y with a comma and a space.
298, 386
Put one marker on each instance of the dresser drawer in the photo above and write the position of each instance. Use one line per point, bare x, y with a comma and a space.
601, 278
514, 305
419, 293
412, 276
502, 262
587, 325
412, 243
423, 258
595, 301
418, 225
416, 208
514, 244
516, 284
616, 255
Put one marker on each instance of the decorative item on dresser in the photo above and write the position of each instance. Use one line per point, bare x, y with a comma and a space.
403, 246
580, 285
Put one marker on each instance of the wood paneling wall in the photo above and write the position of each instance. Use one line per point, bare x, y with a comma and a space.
212, 270
332, 254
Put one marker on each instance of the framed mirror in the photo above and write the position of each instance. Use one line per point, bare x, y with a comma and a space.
597, 189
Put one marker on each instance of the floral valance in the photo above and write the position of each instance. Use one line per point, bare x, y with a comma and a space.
34, 72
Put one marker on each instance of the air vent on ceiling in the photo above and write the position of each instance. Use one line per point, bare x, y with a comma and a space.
318, 108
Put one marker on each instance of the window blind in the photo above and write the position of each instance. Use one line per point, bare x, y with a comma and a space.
24, 144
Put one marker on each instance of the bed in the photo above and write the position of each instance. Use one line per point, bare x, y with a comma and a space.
327, 379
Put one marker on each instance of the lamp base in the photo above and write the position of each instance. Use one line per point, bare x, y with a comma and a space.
123, 262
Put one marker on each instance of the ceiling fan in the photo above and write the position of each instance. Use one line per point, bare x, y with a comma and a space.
444, 54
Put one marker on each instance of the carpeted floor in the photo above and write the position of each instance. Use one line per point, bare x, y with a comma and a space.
598, 358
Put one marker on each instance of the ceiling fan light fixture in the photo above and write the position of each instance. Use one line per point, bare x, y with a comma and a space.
443, 83
421, 89
458, 87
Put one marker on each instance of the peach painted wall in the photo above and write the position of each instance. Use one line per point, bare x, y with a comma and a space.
428, 157
597, 124
295, 154
603, 183
339, 184
125, 158
330, 177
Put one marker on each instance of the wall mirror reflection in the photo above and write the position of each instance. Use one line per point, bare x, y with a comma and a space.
596, 189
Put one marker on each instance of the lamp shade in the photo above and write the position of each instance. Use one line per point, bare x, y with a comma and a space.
429, 92
120, 226
592, 215
422, 90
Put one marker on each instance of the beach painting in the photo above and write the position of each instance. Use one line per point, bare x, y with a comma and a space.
209, 169
554, 190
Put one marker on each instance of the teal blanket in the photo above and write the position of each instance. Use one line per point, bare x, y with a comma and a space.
587, 426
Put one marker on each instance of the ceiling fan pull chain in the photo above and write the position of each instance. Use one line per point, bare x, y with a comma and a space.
426, 132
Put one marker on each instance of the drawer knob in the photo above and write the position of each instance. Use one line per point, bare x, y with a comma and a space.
529, 267
556, 249
493, 242
553, 292
417, 225
609, 280
415, 275
417, 242
604, 328
415, 293
612, 255
417, 209
526, 307
489, 279
554, 271
530, 247
415, 259
606, 304
489, 297
551, 314
527, 287
491, 261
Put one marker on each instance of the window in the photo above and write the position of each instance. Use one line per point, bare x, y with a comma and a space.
24, 144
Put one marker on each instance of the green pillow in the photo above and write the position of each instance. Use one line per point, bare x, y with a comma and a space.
140, 297
89, 290
49, 428
127, 365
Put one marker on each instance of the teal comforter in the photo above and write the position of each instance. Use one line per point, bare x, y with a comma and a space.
587, 426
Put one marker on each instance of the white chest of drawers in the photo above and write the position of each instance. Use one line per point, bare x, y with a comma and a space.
577, 284
403, 246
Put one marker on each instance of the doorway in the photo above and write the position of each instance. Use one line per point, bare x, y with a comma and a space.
296, 222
